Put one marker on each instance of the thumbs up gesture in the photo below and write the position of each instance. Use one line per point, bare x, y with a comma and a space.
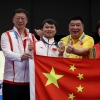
70, 48
30, 46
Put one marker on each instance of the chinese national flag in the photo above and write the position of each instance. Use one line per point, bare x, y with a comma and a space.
67, 79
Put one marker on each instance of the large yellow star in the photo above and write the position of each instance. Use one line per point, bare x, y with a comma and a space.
71, 96
72, 67
80, 76
52, 77
80, 88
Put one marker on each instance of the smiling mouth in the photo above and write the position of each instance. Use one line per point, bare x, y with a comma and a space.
20, 24
75, 32
49, 33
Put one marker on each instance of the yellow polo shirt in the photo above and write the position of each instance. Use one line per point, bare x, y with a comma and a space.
85, 41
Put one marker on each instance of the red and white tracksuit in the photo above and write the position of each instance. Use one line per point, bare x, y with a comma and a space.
46, 47
15, 70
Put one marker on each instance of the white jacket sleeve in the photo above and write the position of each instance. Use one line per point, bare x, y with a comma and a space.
5, 45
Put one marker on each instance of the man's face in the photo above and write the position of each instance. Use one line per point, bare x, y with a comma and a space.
49, 30
76, 28
20, 20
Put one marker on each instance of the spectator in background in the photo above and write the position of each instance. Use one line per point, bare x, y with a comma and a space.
95, 51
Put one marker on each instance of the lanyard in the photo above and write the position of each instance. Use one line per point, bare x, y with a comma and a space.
54, 43
78, 44
80, 39
24, 42
15, 33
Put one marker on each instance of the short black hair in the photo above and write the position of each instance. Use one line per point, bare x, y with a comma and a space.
98, 25
76, 17
49, 21
20, 10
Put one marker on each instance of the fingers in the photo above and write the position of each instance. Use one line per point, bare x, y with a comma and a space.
38, 32
26, 56
69, 49
30, 41
71, 43
61, 49
30, 46
35, 30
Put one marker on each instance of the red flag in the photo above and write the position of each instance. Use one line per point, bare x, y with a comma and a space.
67, 79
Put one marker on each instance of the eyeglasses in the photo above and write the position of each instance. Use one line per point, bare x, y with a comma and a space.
20, 18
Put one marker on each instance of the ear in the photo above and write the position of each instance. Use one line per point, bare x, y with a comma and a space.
27, 20
13, 20
56, 30
83, 26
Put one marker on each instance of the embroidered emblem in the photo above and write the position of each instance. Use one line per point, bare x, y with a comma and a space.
54, 49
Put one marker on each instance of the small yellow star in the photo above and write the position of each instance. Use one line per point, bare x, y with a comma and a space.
80, 88
72, 67
71, 96
52, 78
80, 76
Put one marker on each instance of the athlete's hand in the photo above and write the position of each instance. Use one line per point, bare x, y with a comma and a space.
61, 50
26, 56
39, 32
30, 46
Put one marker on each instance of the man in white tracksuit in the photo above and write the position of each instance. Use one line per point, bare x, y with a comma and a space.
45, 47
14, 44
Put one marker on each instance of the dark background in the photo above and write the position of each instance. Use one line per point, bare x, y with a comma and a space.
60, 11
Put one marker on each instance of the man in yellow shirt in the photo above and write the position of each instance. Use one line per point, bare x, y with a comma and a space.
77, 43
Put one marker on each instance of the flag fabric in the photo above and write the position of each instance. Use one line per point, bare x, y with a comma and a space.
66, 78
